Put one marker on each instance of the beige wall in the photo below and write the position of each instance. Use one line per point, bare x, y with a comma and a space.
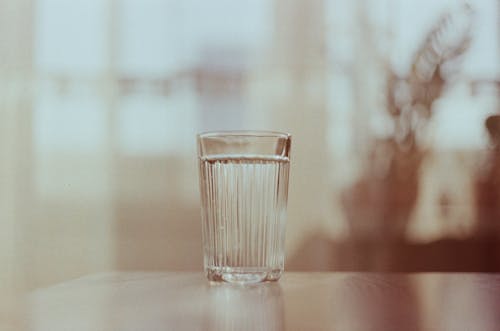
15, 102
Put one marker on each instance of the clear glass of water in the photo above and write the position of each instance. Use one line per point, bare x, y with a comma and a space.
244, 193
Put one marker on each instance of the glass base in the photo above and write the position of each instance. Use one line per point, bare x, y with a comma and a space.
242, 275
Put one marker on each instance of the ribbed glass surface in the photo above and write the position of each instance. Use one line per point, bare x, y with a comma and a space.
243, 210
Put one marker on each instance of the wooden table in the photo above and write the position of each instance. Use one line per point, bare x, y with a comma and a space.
299, 301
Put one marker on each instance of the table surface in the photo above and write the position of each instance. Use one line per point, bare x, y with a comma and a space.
299, 301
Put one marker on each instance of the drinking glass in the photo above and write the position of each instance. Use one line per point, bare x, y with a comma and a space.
244, 193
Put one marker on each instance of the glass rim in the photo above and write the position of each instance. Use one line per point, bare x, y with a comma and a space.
244, 133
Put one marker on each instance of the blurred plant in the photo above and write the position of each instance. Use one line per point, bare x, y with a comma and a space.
487, 184
410, 99
379, 205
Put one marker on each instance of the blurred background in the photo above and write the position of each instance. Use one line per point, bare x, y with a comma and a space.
393, 107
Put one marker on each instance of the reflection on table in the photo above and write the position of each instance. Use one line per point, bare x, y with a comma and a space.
299, 301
